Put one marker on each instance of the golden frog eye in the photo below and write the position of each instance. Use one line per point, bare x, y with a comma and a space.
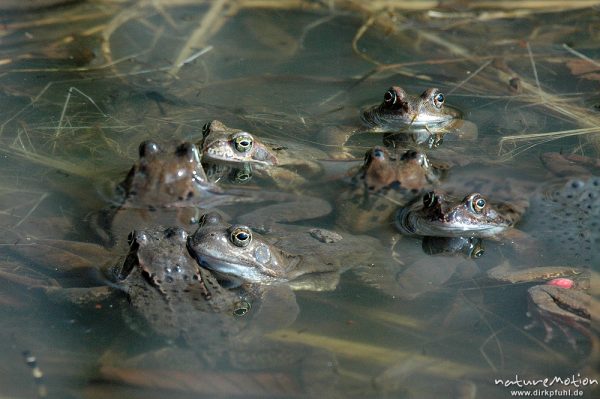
242, 176
241, 308
241, 236
429, 199
477, 203
477, 252
243, 142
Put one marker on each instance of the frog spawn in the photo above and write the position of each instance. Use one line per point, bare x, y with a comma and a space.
574, 206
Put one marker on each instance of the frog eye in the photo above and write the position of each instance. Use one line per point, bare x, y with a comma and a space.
378, 153
241, 236
241, 308
477, 203
477, 252
243, 142
438, 100
429, 199
242, 176
147, 148
390, 97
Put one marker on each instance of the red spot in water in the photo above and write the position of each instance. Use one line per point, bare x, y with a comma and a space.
562, 282
98, 306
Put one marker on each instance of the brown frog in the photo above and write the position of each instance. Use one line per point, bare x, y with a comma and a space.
285, 166
399, 110
205, 324
178, 299
224, 144
440, 215
290, 254
163, 186
422, 120
166, 187
561, 301
385, 181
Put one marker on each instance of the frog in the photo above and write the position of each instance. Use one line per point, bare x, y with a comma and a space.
168, 186
441, 215
423, 121
167, 288
164, 184
553, 305
557, 298
284, 166
193, 322
383, 182
290, 254
399, 110
224, 144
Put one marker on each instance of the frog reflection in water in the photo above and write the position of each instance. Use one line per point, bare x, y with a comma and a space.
440, 215
212, 325
293, 254
241, 150
413, 274
384, 182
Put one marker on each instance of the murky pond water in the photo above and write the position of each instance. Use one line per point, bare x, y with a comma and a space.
375, 314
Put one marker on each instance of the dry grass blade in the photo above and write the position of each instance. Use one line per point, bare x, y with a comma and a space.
53, 162
209, 25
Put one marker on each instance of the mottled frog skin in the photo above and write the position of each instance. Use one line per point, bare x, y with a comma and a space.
285, 255
179, 300
224, 144
228, 152
384, 182
559, 298
162, 187
440, 215
168, 186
